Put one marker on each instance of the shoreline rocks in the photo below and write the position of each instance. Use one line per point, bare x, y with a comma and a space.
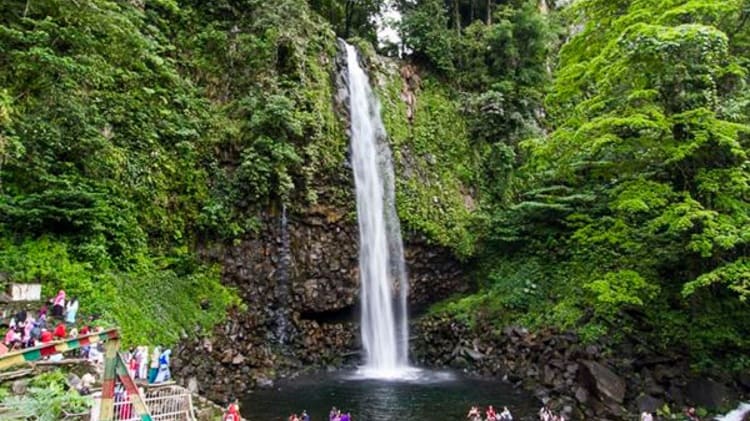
581, 380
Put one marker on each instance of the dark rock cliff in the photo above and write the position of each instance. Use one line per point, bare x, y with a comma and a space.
313, 293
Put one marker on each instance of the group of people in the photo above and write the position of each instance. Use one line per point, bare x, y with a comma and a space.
336, 415
154, 370
490, 414
302, 417
56, 320
27, 331
690, 415
546, 414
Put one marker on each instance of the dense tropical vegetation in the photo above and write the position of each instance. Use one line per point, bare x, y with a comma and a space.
628, 213
589, 160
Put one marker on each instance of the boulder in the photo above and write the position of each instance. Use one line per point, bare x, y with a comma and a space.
602, 382
648, 403
708, 393
192, 385
744, 379
459, 363
264, 382
675, 395
664, 374
19, 387
582, 395
474, 355
548, 375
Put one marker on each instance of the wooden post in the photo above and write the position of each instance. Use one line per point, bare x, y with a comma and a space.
139, 404
108, 380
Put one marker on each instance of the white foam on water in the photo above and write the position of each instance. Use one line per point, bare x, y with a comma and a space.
737, 414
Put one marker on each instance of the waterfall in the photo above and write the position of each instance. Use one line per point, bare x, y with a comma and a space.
282, 291
384, 323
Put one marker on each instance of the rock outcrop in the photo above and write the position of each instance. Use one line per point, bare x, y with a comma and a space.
299, 301
575, 378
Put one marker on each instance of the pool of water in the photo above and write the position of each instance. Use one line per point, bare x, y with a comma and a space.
428, 395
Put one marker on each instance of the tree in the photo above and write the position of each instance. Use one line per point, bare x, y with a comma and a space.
646, 170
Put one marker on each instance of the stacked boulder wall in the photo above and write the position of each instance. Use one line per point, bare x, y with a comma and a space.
576, 378
320, 299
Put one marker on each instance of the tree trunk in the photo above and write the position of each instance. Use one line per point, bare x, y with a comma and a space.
348, 14
489, 12
456, 16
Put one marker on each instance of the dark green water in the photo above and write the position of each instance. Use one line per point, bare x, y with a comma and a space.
441, 396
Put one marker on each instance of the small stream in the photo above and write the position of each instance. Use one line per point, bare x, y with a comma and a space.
433, 396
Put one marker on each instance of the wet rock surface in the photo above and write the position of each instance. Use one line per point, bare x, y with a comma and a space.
581, 380
301, 314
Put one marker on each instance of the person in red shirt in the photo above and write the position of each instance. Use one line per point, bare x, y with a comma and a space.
85, 330
233, 412
491, 414
46, 336
60, 331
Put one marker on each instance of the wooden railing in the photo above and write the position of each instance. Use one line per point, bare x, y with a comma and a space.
114, 368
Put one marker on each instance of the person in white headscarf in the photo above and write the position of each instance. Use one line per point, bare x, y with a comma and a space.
141, 356
153, 369
164, 373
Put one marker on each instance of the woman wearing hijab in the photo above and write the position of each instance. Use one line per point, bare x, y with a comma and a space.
28, 340
142, 356
164, 373
58, 305
154, 367
71, 310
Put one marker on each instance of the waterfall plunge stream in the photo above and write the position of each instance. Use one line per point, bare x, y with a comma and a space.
381, 256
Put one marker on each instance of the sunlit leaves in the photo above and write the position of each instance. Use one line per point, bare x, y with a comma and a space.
617, 289
734, 275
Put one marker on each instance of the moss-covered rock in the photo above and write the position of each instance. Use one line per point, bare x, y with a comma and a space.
434, 161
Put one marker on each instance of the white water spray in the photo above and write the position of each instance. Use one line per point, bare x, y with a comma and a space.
736, 415
381, 256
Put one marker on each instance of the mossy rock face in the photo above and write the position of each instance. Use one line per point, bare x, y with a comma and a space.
434, 162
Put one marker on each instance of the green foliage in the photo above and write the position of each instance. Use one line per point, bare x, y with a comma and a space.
736, 275
165, 301
47, 399
619, 289
638, 195
350, 17
273, 127
49, 263
493, 61
435, 163
425, 32
156, 301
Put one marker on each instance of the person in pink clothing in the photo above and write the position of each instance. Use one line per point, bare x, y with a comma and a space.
58, 305
9, 336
